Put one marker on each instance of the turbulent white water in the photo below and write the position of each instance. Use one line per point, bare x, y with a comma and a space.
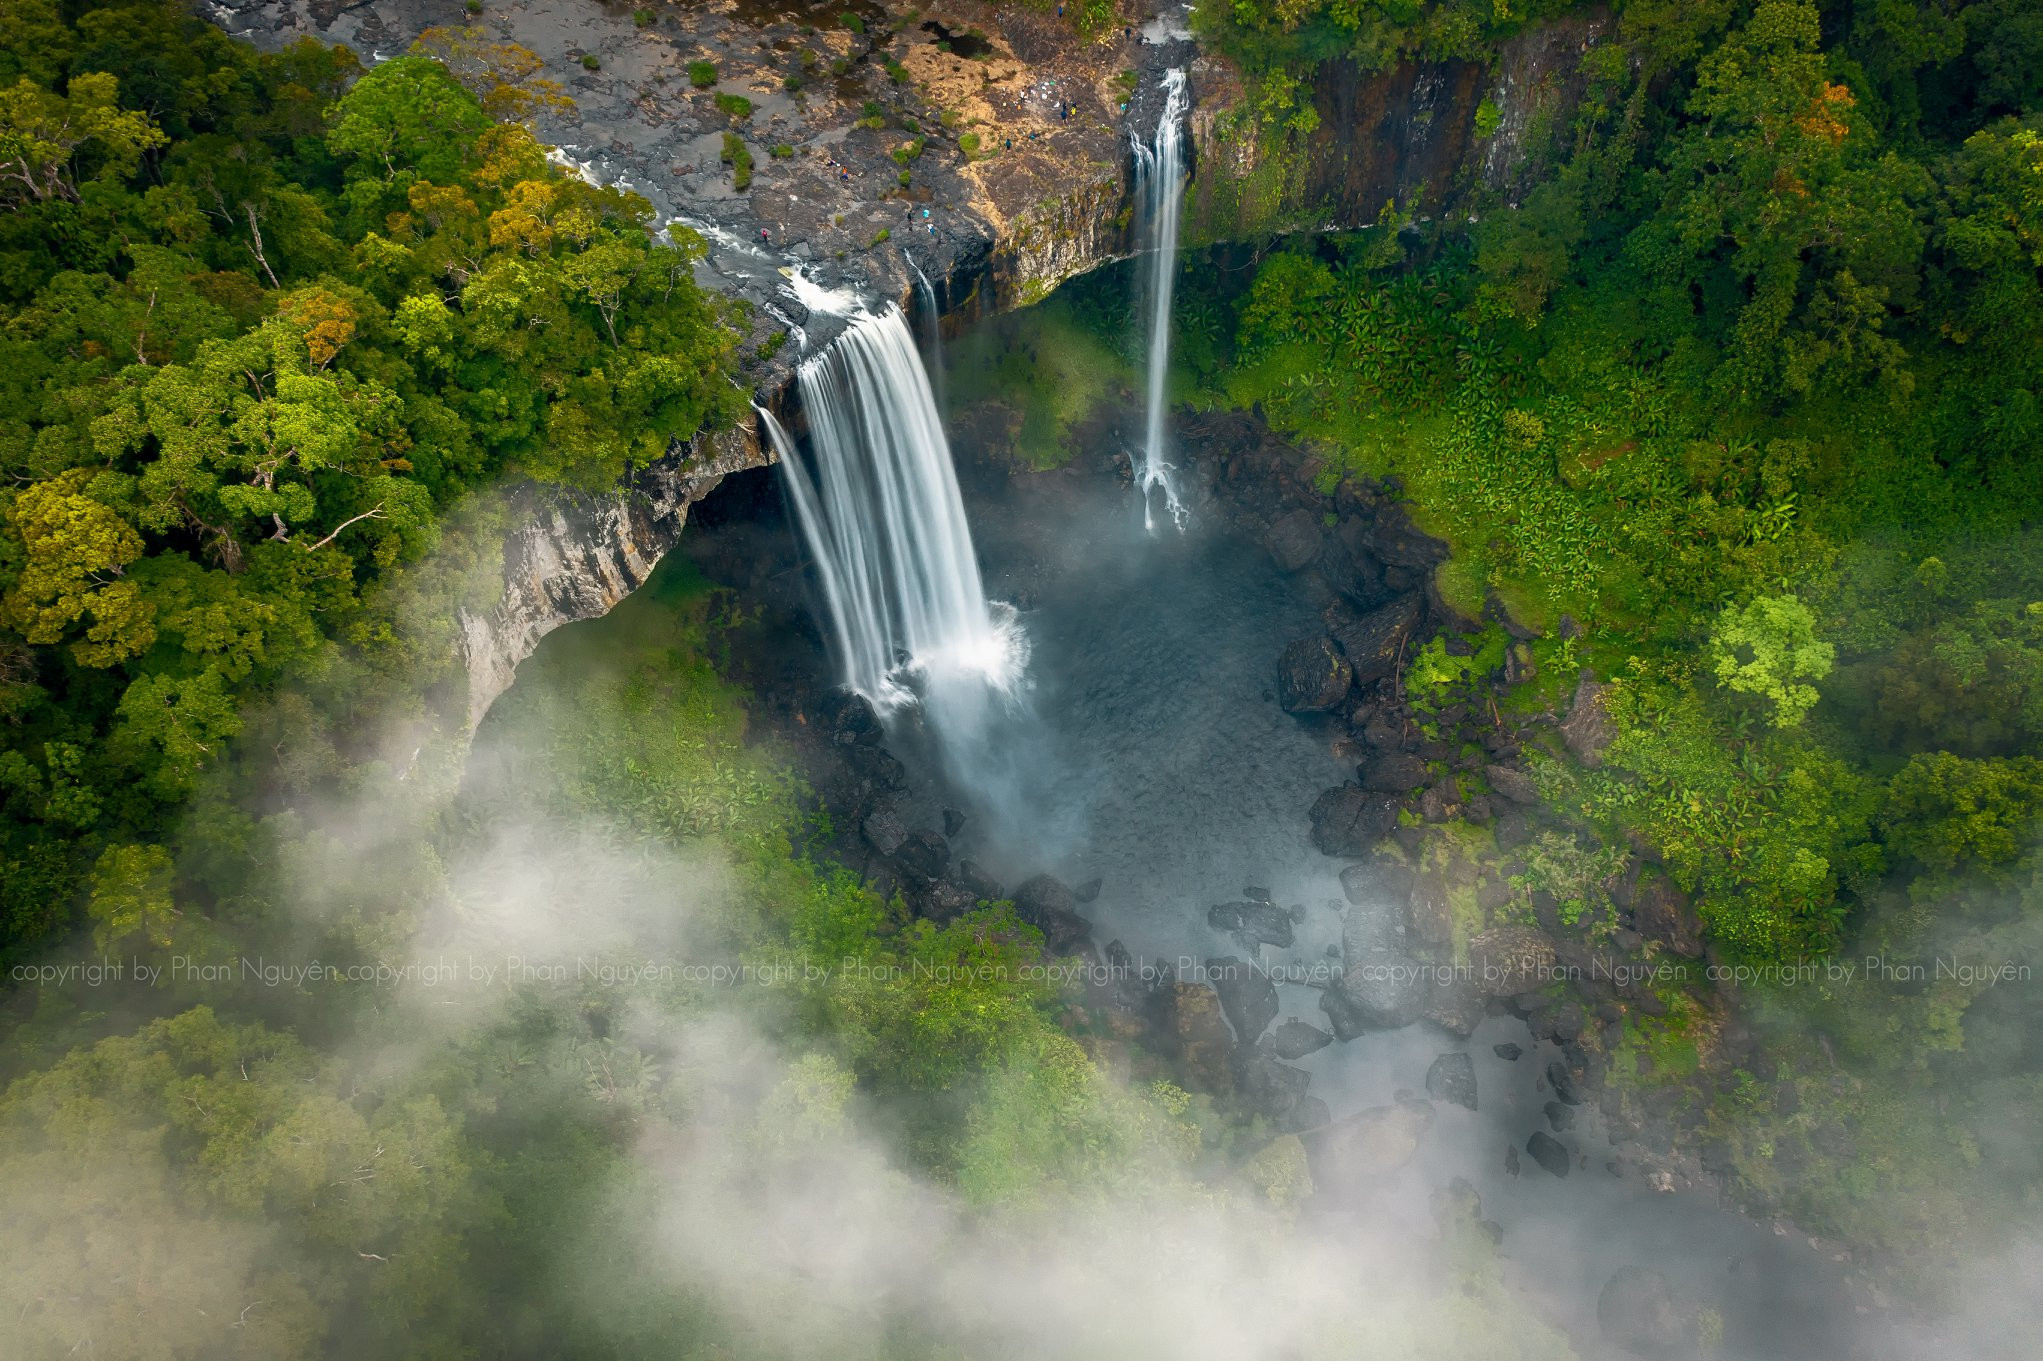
881, 514
1160, 190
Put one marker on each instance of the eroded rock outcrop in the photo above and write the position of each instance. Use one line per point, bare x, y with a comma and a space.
574, 555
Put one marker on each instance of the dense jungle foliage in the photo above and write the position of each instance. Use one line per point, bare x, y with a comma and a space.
1748, 386
1745, 385
1734, 399
266, 318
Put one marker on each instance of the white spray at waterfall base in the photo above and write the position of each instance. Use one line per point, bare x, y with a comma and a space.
882, 516
1160, 192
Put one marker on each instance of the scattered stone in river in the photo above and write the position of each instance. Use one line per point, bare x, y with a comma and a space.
1508, 1052
1550, 1153
1263, 923
1452, 1078
1511, 1163
1560, 1116
1294, 1039
953, 822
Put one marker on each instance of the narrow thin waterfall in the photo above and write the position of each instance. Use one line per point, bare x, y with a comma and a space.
1160, 193
932, 338
881, 514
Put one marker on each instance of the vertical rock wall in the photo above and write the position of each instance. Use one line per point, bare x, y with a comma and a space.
575, 555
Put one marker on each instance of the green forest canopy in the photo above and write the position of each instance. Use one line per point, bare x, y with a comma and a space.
266, 317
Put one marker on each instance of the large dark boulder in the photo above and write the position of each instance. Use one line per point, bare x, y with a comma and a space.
1386, 987
1350, 820
874, 770
1394, 772
1344, 1018
1507, 960
1402, 544
850, 719
923, 855
1589, 729
1377, 880
1294, 1039
1638, 1313
1195, 1034
1046, 904
1353, 1156
1312, 676
1662, 912
1509, 782
1429, 913
884, 830
1453, 1004
1294, 541
1373, 642
943, 900
1267, 1087
1247, 996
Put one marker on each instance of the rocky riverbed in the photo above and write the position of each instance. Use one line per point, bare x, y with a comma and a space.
1320, 920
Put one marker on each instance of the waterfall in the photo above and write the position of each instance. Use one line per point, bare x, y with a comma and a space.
932, 326
1160, 193
881, 514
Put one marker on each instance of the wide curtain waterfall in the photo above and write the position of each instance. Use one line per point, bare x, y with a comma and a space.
1160, 192
881, 514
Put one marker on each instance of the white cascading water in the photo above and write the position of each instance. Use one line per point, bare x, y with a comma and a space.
883, 519
932, 326
1160, 192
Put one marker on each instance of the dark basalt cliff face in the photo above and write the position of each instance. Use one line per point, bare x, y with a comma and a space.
1022, 180
1407, 138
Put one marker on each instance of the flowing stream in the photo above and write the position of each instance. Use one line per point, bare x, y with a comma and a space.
884, 523
1160, 190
